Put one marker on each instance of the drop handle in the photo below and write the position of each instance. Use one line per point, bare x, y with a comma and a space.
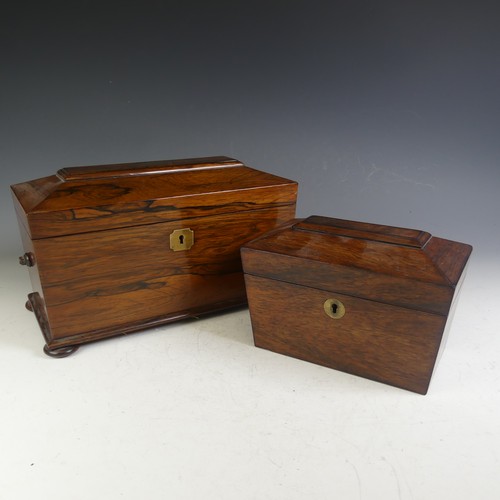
28, 259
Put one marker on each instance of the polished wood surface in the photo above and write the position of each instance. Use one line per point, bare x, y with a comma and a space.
101, 242
374, 340
397, 286
116, 198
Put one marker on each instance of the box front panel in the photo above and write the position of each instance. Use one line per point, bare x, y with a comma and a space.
378, 341
100, 282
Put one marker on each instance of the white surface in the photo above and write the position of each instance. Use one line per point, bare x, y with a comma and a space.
193, 411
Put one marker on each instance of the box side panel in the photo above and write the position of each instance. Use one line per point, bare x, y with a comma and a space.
36, 301
95, 284
451, 314
33, 271
377, 341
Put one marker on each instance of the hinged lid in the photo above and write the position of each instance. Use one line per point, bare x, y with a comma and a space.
85, 199
404, 267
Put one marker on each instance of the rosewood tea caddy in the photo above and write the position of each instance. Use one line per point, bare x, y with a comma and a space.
116, 248
362, 298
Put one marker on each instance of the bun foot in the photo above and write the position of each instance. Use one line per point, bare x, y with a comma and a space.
60, 352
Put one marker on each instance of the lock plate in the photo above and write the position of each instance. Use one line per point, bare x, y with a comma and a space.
181, 239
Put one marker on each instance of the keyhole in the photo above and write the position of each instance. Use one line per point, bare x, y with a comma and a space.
181, 239
334, 308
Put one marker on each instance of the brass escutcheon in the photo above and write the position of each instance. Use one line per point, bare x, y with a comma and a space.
334, 308
181, 239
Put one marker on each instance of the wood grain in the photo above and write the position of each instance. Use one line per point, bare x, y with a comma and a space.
54, 207
373, 340
132, 273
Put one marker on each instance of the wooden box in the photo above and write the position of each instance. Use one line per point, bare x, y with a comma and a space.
116, 248
366, 299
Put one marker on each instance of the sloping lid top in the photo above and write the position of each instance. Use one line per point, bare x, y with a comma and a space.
83, 199
383, 263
